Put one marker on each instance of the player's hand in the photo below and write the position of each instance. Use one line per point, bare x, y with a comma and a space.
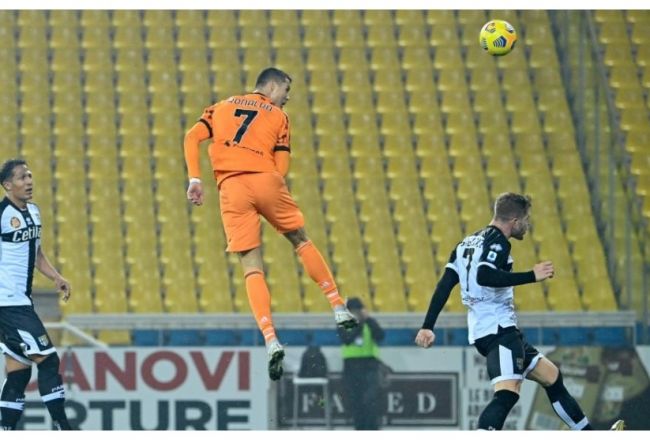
543, 270
425, 338
62, 285
195, 193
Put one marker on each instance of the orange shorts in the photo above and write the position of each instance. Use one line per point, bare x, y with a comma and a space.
244, 197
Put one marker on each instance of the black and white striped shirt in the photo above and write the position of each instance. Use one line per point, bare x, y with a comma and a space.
21, 237
488, 307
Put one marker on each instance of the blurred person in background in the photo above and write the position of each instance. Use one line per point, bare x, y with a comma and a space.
362, 368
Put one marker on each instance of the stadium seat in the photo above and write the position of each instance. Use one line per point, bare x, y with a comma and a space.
421, 116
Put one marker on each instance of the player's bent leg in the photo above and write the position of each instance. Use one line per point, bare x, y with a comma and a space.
320, 273
50, 386
12, 396
506, 395
565, 406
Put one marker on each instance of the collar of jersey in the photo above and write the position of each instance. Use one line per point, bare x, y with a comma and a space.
16, 206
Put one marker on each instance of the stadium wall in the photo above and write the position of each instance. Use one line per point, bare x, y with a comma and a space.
172, 388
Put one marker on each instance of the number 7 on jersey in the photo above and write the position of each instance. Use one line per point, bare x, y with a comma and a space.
249, 116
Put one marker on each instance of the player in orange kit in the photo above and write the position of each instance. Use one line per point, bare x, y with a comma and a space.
250, 156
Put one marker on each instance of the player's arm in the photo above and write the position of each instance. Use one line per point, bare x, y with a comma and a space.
194, 136
282, 149
46, 268
425, 337
282, 158
490, 276
440, 297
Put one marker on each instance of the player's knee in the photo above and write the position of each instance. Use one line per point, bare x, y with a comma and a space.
297, 237
17, 381
556, 388
50, 384
495, 413
49, 366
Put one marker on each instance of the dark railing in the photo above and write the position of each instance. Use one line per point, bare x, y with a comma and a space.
602, 147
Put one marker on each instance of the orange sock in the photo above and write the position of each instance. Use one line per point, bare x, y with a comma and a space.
259, 299
318, 270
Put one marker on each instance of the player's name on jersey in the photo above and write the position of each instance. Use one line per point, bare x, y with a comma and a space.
21, 235
250, 103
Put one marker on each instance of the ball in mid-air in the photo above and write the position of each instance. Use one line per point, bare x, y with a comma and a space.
498, 37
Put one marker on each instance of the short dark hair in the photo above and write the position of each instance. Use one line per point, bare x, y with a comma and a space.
511, 205
7, 170
355, 304
271, 74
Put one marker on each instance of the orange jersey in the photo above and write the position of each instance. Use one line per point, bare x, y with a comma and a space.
246, 130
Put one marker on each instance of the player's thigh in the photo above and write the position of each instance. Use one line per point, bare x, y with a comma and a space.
23, 334
513, 385
275, 203
241, 221
505, 359
544, 373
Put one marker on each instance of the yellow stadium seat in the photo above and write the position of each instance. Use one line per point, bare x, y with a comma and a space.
563, 295
409, 17
356, 80
279, 17
381, 35
254, 36
158, 18
185, 18
416, 58
317, 36
93, 18
384, 59
221, 18
349, 37
352, 58
377, 17
32, 18
287, 36
313, 17
440, 16
410, 35
608, 16
252, 17
443, 35
346, 17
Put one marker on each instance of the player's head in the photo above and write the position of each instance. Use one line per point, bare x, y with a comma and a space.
16, 179
275, 84
356, 307
513, 211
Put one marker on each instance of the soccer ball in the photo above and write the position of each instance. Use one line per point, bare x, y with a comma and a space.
498, 37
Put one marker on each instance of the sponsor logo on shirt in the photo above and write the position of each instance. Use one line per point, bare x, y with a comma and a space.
15, 222
26, 234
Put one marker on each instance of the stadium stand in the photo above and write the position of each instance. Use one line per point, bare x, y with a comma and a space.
403, 134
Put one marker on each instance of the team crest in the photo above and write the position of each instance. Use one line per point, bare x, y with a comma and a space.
43, 340
15, 222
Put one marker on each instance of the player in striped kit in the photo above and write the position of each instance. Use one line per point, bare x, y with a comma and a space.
23, 338
482, 264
